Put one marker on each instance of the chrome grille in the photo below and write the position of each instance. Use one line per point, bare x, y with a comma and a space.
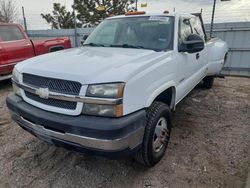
52, 102
55, 85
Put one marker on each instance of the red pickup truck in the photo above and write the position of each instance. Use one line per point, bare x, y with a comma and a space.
15, 46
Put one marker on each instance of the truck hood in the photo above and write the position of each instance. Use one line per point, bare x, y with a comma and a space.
89, 65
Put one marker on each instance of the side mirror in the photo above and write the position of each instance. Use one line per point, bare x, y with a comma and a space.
84, 38
193, 44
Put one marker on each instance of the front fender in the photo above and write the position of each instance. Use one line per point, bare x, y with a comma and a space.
161, 89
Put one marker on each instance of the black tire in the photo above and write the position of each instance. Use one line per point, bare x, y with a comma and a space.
208, 82
147, 154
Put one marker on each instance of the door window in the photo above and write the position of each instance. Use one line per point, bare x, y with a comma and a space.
10, 33
197, 27
185, 29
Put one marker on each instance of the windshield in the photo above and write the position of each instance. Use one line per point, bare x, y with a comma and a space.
149, 32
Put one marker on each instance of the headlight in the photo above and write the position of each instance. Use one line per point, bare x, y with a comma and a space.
114, 90
111, 91
103, 110
16, 77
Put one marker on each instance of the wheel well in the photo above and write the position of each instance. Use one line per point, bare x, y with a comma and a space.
167, 97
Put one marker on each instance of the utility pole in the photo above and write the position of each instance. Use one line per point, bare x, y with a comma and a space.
24, 20
136, 5
212, 21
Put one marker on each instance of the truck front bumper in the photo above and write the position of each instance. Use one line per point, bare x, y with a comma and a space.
111, 137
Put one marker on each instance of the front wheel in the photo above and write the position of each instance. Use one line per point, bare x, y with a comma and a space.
156, 135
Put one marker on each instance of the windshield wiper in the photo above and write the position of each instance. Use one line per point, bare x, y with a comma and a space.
118, 46
93, 44
127, 46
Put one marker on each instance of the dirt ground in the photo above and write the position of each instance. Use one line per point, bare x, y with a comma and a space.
209, 147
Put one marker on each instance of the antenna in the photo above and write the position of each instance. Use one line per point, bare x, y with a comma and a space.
24, 20
212, 20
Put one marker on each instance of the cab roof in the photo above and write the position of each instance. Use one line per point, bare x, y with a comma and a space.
154, 14
9, 24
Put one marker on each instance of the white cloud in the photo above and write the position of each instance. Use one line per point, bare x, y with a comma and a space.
34, 8
230, 11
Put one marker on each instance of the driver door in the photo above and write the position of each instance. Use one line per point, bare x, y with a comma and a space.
197, 29
188, 64
15, 47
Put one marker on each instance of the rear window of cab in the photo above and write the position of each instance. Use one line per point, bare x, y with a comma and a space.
10, 33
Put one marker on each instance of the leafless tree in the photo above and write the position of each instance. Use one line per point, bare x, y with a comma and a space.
8, 11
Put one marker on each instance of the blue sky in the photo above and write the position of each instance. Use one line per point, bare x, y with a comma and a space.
231, 11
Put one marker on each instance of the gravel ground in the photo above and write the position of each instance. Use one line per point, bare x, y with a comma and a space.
209, 147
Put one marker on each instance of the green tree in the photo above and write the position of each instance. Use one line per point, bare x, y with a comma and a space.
89, 13
60, 17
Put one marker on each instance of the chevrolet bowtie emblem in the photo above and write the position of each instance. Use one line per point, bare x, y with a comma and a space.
43, 93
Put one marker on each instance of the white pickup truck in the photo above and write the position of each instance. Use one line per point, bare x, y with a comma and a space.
114, 96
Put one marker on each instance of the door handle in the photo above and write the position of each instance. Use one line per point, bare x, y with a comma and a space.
27, 45
197, 56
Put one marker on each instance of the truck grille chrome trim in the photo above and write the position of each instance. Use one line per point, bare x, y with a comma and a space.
130, 141
52, 102
71, 98
53, 84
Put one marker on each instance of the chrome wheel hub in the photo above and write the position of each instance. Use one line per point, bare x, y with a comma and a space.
160, 135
